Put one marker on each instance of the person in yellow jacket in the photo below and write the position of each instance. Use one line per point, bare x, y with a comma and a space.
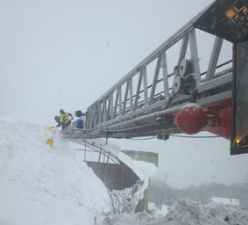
63, 120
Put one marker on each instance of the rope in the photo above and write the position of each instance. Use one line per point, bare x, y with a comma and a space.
184, 136
142, 139
174, 135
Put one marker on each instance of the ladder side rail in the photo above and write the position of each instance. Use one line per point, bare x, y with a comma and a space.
143, 113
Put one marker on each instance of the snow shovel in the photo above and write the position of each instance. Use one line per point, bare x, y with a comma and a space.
51, 128
50, 140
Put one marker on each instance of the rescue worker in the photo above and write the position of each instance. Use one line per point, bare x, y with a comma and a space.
79, 113
80, 122
63, 120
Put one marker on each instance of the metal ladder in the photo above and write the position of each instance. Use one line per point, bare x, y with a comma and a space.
144, 102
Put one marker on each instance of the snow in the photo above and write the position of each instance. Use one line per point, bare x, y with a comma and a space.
43, 185
186, 212
107, 146
142, 169
163, 209
226, 201
195, 107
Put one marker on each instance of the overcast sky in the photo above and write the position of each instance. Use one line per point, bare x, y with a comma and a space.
58, 54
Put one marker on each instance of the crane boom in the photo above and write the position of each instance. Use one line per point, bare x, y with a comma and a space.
172, 91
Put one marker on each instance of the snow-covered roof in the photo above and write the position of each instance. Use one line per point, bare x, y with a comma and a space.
226, 201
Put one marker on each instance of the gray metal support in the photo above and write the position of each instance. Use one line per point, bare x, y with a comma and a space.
125, 97
116, 102
100, 111
155, 79
131, 93
135, 106
138, 91
111, 106
104, 109
183, 50
165, 75
214, 58
120, 100
194, 56
144, 72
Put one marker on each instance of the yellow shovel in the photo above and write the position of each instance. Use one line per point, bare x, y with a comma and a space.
50, 140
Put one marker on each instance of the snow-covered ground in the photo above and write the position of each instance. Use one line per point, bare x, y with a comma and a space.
185, 212
42, 185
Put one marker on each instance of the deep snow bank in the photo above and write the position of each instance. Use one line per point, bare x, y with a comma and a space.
190, 213
186, 212
43, 185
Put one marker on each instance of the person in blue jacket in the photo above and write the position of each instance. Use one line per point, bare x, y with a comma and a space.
80, 122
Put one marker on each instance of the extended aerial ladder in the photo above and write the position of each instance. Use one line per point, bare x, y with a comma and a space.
175, 89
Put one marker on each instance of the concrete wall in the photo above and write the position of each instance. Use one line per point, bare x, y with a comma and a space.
143, 203
114, 176
119, 177
150, 157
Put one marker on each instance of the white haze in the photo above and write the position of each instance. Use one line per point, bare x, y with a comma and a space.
65, 54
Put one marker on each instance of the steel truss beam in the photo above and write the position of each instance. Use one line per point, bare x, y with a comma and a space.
156, 88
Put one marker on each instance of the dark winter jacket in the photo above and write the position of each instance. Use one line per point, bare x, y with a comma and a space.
64, 120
